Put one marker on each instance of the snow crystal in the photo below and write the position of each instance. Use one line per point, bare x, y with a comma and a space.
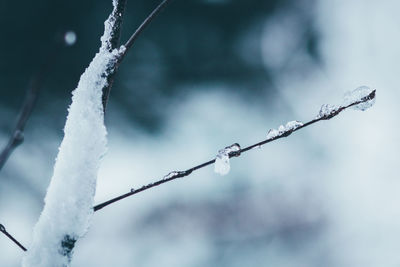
69, 199
70, 38
222, 165
359, 94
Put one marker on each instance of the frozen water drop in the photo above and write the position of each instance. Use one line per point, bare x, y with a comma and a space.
133, 190
222, 165
362, 93
70, 38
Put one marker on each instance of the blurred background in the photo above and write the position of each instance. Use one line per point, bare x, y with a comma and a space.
204, 75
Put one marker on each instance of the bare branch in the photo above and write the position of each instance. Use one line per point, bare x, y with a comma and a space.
4, 231
146, 22
28, 105
285, 133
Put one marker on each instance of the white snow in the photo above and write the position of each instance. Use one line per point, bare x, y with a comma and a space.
69, 199
222, 165
357, 95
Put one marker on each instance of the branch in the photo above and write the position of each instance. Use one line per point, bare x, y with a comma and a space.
4, 231
116, 33
146, 22
17, 136
326, 113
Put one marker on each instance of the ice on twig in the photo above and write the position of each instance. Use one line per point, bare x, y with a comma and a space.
70, 38
359, 94
170, 175
290, 126
272, 133
222, 165
326, 110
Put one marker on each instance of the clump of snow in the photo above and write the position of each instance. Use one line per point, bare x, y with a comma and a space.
69, 200
359, 94
222, 165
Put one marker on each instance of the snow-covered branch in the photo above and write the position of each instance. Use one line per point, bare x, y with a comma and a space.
361, 98
69, 199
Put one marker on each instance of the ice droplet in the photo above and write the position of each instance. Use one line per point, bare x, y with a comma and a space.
359, 94
70, 38
222, 165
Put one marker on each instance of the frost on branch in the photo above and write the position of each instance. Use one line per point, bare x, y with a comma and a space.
69, 200
361, 98
358, 94
222, 165
284, 130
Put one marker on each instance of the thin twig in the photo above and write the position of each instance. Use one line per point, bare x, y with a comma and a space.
179, 174
28, 105
142, 26
116, 32
4, 231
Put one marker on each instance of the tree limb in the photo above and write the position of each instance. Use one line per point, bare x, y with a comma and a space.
179, 174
